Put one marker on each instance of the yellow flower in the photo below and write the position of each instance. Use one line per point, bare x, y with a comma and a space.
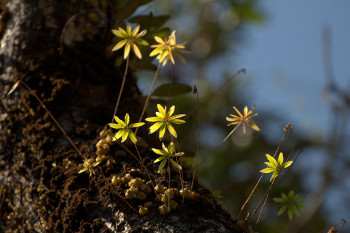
275, 166
124, 129
166, 48
165, 120
243, 119
130, 39
166, 155
89, 166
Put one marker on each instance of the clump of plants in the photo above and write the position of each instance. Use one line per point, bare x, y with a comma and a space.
157, 190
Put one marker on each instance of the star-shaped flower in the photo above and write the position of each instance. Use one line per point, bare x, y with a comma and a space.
166, 155
165, 120
89, 166
130, 39
166, 48
275, 166
125, 129
289, 203
243, 119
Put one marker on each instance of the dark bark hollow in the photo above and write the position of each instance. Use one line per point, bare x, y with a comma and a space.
59, 50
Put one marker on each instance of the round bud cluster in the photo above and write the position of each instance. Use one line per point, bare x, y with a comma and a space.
164, 209
138, 189
103, 145
188, 194
166, 196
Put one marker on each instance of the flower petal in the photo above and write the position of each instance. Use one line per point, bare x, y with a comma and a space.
164, 148
271, 160
178, 116
120, 122
175, 164
142, 34
153, 119
161, 165
238, 112
132, 137
155, 52
159, 159
253, 126
119, 45
128, 30
161, 109
125, 135
136, 125
287, 164
155, 127
159, 40
159, 152
267, 170
162, 131
119, 134
136, 50
177, 121
172, 130
171, 111
280, 159
127, 119
127, 50
171, 149
115, 126
281, 211
120, 32
136, 30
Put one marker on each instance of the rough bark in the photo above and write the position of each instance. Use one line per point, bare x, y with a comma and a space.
60, 52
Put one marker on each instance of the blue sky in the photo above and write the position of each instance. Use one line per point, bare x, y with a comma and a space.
283, 57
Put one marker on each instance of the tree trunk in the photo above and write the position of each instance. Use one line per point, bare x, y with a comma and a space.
59, 50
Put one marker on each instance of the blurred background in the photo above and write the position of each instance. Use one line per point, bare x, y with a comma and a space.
296, 56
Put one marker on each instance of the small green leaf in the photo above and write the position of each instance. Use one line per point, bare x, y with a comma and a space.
290, 213
161, 166
175, 164
172, 89
281, 211
159, 159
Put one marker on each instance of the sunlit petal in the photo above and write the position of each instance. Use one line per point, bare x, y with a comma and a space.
127, 50
119, 45
137, 51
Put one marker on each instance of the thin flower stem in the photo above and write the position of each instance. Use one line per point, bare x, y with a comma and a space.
129, 151
169, 182
121, 89
216, 148
262, 208
52, 117
250, 195
149, 96
180, 170
257, 183
195, 91
172, 82
143, 165
224, 85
